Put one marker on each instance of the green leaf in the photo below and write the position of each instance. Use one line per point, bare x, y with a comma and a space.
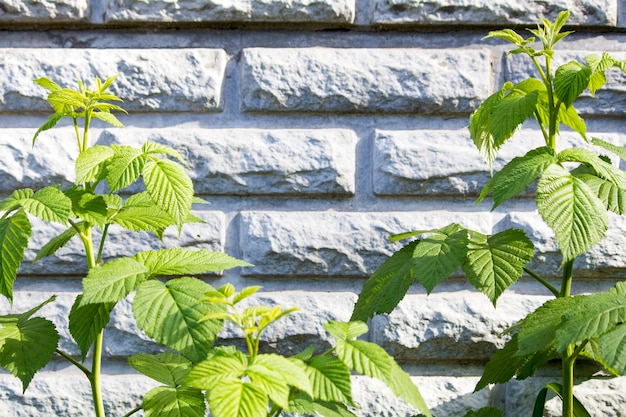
170, 188
149, 219
575, 214
330, 379
590, 317
538, 329
15, 231
620, 151
612, 346
221, 365
270, 381
57, 243
174, 402
508, 35
170, 313
570, 81
304, 405
387, 286
292, 370
438, 256
49, 124
90, 164
235, 398
88, 206
578, 410
518, 174
167, 368
346, 331
151, 148
570, 118
107, 117
510, 112
87, 321
48, 84
125, 167
27, 344
601, 167
113, 281
401, 385
485, 412
179, 261
49, 204
495, 262
366, 358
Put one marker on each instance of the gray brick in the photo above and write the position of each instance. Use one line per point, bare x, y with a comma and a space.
260, 162
326, 11
43, 11
147, 79
364, 80
609, 100
332, 243
500, 12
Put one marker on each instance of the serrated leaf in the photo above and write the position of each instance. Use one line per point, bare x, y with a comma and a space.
155, 148
346, 331
179, 261
125, 167
90, 165
495, 262
401, 385
304, 405
387, 286
245, 293
113, 281
235, 398
15, 231
590, 317
220, 365
49, 124
292, 370
149, 219
87, 321
612, 346
510, 112
88, 206
170, 313
480, 127
27, 346
57, 242
518, 174
366, 358
438, 256
170, 188
174, 402
49, 203
107, 117
601, 167
569, 117
330, 379
271, 382
620, 151
167, 368
485, 412
570, 81
571, 209
48, 84
613, 197
508, 35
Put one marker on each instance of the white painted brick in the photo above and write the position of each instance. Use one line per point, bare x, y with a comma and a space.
501, 12
325, 11
609, 100
147, 79
43, 11
364, 80
259, 162
332, 243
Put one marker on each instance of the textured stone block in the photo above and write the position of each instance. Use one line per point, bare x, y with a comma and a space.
259, 162
364, 80
501, 12
332, 243
609, 100
326, 11
147, 79
43, 11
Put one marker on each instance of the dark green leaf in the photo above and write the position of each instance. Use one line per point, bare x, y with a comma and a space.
303, 404
330, 379
485, 412
578, 411
612, 347
15, 231
87, 321
88, 206
602, 168
570, 81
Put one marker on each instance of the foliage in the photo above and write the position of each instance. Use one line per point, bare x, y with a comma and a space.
576, 190
181, 312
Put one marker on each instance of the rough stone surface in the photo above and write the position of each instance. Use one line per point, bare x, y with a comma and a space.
481, 12
363, 80
22, 11
609, 100
147, 81
260, 162
331, 243
328, 11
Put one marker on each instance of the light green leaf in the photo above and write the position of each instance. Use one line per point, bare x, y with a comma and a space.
151, 148
575, 214
88, 206
167, 368
495, 262
87, 321
330, 379
107, 117
346, 331
438, 256
218, 367
125, 167
150, 219
15, 231
27, 344
179, 261
304, 405
510, 112
612, 346
291, 369
49, 124
48, 84
518, 174
174, 402
57, 242
570, 81
620, 151
271, 382
601, 167
402, 386
485, 412
170, 313
113, 281
570, 118
480, 127
235, 398
366, 358
49, 203
387, 286
170, 188
508, 35
90, 164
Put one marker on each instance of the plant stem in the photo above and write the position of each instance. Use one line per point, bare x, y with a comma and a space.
74, 362
543, 282
569, 355
95, 376
133, 411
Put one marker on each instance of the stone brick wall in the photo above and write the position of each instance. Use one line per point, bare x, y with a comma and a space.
315, 128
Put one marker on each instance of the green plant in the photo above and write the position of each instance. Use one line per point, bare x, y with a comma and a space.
576, 189
168, 312
248, 383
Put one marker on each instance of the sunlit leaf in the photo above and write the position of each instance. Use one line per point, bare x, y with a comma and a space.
15, 231
87, 321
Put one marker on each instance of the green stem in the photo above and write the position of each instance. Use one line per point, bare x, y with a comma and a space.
543, 282
569, 355
74, 362
133, 411
96, 367
566, 283
101, 246
86, 129
75, 122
